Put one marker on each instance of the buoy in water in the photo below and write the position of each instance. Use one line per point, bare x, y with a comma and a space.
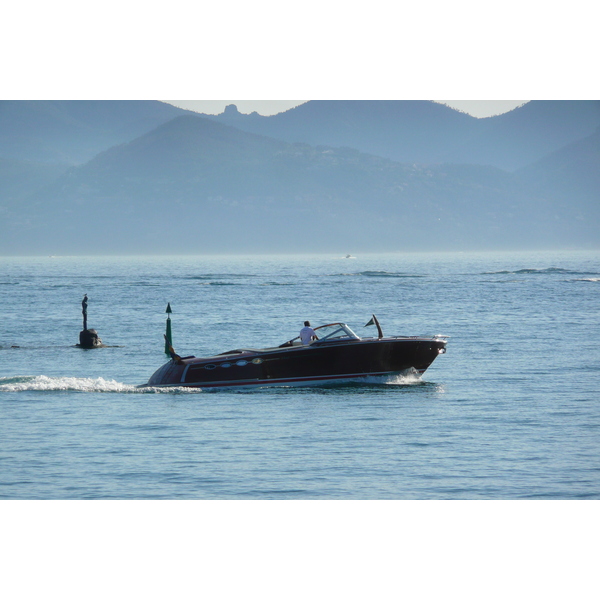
88, 338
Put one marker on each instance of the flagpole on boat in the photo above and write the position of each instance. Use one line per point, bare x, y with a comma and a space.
374, 321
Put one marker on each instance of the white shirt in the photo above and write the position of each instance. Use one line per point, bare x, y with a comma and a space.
306, 335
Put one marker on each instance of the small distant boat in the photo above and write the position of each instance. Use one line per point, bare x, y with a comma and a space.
350, 256
337, 355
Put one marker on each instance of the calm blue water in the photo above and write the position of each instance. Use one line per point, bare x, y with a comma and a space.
512, 411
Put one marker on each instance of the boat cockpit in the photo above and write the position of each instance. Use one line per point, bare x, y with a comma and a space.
327, 333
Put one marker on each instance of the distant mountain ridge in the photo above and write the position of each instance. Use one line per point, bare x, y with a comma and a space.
406, 131
425, 132
74, 131
191, 184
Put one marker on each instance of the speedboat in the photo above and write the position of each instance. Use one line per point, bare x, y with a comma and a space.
337, 355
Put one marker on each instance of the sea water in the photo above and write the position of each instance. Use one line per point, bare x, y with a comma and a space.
511, 411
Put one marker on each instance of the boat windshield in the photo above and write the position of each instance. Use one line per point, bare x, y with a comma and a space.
335, 331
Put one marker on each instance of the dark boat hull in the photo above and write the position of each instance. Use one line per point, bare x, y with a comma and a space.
303, 365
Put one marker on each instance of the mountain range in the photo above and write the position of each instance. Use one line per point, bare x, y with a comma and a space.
427, 132
135, 177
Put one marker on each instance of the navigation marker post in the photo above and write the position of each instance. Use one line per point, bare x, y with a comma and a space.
168, 335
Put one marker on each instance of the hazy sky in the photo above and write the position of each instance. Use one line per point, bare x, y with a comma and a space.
477, 108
